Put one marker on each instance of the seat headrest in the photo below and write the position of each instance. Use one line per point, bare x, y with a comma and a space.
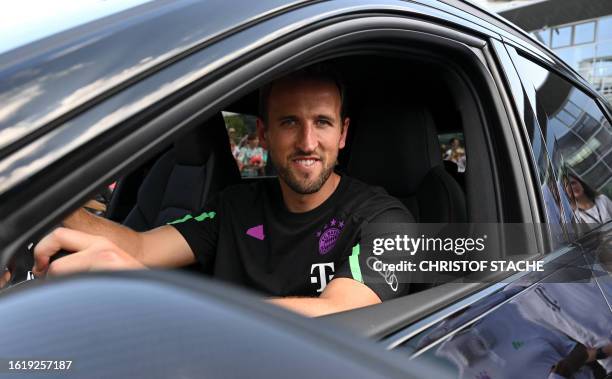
393, 145
194, 147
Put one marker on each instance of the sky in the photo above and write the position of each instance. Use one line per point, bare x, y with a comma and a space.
23, 21
497, 6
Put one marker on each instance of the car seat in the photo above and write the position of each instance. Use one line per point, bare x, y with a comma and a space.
453, 170
199, 165
394, 145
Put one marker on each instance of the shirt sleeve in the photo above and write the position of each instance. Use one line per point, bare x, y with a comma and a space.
201, 231
607, 207
362, 265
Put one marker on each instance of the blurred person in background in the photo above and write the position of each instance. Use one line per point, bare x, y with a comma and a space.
453, 145
252, 158
458, 156
589, 206
443, 149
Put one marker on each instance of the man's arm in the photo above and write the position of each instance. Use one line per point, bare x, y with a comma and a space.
101, 243
165, 247
160, 247
125, 238
341, 294
578, 357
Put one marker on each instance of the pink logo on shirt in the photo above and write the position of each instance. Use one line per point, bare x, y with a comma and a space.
256, 232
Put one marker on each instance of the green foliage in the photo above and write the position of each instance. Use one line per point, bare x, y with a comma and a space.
237, 122
242, 123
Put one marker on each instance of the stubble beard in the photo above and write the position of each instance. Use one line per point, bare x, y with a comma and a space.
303, 185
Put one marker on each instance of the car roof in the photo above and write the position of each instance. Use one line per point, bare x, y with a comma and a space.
45, 79
55, 75
31, 20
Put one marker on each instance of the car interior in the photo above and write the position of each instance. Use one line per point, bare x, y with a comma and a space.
393, 142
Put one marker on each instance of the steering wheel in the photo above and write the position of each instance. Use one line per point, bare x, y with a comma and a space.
20, 266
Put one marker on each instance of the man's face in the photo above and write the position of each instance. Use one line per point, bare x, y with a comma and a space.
304, 132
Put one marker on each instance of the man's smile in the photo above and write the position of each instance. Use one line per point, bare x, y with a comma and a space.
305, 162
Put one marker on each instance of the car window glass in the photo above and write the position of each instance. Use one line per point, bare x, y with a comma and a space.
524, 98
599, 257
578, 139
555, 209
250, 156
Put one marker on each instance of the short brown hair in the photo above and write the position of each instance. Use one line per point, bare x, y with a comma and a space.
317, 72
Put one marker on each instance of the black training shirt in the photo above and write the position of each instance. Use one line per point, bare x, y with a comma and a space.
247, 236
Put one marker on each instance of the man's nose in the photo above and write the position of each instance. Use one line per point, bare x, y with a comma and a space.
307, 140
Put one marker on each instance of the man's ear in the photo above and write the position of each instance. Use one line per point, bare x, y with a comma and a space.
345, 126
261, 133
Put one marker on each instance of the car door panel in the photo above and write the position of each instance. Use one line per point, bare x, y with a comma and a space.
522, 330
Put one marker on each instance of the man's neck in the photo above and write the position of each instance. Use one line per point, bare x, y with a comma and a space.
298, 203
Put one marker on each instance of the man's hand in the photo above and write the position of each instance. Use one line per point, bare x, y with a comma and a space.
5, 278
88, 253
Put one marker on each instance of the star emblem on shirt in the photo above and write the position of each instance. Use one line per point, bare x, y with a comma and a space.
333, 222
341, 224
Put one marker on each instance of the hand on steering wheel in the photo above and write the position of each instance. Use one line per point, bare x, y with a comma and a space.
88, 253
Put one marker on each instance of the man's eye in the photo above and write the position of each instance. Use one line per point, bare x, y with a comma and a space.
323, 122
288, 122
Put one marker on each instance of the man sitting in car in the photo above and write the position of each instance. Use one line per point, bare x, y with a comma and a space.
296, 239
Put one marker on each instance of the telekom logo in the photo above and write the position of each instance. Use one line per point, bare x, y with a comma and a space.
321, 276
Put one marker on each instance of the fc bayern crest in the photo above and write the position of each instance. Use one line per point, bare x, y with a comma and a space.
329, 235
